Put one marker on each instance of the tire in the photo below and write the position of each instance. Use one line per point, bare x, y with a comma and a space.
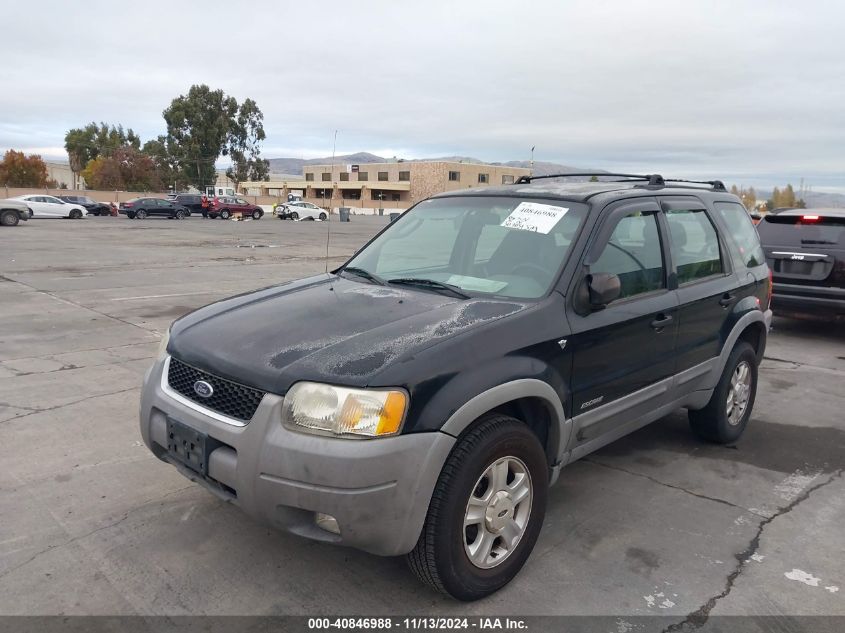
441, 558
294, 215
323, 216
76, 214
225, 215
141, 214
723, 421
256, 214
9, 218
179, 215
131, 216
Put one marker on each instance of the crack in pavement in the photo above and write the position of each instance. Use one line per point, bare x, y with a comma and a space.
699, 617
83, 307
51, 355
673, 487
125, 516
66, 404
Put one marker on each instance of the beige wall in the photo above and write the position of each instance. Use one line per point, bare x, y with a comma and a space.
426, 177
99, 196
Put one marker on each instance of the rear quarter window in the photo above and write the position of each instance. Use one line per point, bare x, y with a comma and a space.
742, 232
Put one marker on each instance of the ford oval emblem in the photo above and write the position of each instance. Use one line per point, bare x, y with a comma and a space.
203, 389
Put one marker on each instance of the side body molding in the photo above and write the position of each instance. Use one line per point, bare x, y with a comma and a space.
559, 428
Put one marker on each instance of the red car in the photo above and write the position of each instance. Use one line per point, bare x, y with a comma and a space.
225, 207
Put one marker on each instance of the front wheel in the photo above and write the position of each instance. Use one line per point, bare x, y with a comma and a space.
76, 214
256, 214
225, 215
724, 418
486, 510
294, 216
179, 215
9, 218
323, 216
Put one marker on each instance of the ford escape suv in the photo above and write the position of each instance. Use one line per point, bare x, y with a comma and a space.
424, 396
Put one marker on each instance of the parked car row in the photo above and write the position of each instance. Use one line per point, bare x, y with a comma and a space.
43, 206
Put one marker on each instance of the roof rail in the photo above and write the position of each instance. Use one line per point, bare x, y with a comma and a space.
651, 179
717, 185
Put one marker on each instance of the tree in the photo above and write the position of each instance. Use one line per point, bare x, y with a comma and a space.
91, 141
205, 124
125, 169
165, 163
19, 170
749, 198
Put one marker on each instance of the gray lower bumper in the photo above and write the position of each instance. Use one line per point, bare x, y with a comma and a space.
378, 490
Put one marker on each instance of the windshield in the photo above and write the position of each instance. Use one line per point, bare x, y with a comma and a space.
482, 245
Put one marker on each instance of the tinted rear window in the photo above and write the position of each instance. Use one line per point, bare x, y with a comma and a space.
796, 230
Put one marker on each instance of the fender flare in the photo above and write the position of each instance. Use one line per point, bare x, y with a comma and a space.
750, 317
559, 427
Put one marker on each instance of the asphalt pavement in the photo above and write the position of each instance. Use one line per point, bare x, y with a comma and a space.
657, 523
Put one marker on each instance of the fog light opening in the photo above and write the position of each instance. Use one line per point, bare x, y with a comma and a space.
326, 522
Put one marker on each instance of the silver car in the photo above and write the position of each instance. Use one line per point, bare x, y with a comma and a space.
13, 211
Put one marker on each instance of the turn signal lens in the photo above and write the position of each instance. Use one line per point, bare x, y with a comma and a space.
342, 411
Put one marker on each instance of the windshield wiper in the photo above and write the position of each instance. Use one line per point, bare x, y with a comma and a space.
366, 274
430, 284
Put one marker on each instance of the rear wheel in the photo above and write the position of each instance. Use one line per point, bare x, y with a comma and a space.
76, 214
486, 510
256, 214
141, 214
726, 415
9, 218
225, 215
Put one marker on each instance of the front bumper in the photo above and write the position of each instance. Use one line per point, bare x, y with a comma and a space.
378, 490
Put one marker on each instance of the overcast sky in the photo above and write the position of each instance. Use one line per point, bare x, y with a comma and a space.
751, 92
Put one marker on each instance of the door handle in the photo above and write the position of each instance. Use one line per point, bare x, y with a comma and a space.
661, 321
726, 300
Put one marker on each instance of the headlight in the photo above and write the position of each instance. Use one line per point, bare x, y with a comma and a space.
324, 408
162, 346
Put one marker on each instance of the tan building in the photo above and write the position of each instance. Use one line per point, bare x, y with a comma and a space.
391, 185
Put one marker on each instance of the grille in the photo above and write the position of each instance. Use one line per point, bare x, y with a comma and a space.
229, 398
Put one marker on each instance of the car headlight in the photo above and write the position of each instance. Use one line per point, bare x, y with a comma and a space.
162, 346
315, 407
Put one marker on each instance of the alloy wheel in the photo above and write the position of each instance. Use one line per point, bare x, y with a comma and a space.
497, 512
738, 393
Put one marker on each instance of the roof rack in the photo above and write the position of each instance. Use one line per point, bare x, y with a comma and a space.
717, 185
653, 180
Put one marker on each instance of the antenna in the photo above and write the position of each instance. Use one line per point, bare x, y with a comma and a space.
329, 216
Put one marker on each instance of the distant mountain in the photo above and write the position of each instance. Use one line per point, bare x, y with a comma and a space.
295, 165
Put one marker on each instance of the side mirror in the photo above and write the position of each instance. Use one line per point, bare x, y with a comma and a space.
603, 288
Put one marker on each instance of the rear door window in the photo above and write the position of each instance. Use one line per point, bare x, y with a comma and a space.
742, 231
694, 244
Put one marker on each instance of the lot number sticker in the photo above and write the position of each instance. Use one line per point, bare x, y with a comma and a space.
533, 216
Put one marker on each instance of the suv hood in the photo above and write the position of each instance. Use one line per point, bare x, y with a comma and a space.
325, 328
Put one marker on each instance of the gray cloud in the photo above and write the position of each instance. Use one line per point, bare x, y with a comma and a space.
745, 91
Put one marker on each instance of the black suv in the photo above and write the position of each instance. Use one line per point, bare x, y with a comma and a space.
805, 249
191, 201
92, 206
422, 397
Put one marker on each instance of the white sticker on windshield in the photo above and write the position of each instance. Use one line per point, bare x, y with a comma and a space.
533, 216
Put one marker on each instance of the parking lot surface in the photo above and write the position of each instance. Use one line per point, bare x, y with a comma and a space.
657, 523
